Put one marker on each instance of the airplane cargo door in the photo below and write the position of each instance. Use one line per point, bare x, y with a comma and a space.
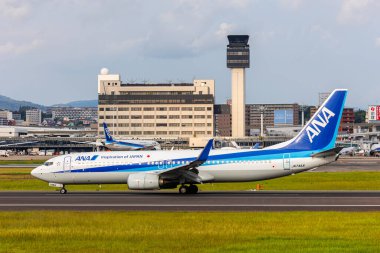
67, 164
286, 161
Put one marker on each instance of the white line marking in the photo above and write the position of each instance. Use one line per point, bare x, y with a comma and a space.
175, 205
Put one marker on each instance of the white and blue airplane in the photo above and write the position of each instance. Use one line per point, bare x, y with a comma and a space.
314, 146
127, 145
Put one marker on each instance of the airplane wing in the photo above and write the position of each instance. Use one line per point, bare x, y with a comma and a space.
17, 144
100, 144
188, 171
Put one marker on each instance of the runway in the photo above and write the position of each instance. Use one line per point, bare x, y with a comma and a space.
203, 201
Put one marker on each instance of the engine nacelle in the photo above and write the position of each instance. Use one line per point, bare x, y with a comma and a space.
146, 181
143, 181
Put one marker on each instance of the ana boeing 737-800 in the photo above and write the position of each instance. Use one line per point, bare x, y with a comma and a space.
314, 146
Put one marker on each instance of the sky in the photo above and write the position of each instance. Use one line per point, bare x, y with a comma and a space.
51, 51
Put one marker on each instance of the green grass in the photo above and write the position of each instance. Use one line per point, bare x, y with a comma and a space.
7, 162
20, 179
64, 231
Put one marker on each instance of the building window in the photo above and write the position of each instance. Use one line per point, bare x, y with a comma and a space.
148, 125
187, 116
199, 109
123, 125
173, 116
148, 117
161, 109
101, 109
174, 124
123, 116
174, 132
187, 108
136, 133
123, 109
199, 116
209, 108
199, 124
187, 132
135, 124
148, 108
148, 132
174, 109
186, 124
136, 109
161, 132
136, 117
101, 117
123, 133
161, 117
161, 125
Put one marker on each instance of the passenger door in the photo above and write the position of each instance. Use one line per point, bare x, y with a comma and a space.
286, 161
67, 164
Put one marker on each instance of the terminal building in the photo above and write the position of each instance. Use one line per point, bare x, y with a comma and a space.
164, 110
73, 113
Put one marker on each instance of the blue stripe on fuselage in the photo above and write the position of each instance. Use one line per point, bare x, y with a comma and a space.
256, 155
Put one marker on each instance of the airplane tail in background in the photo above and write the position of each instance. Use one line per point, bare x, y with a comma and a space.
321, 130
107, 133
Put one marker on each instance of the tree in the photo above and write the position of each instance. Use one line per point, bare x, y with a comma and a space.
360, 116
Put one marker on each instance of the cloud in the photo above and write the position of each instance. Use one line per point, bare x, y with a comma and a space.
224, 30
354, 11
13, 9
291, 4
11, 48
377, 42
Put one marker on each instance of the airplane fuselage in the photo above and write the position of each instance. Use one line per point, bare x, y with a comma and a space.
221, 165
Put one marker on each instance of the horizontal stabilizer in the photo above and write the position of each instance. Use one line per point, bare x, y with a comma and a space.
329, 152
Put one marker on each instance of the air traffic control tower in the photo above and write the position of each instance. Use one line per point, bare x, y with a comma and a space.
238, 61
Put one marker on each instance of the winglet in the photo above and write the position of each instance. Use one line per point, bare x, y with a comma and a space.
204, 154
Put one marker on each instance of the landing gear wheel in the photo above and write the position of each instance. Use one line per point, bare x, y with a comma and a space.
63, 191
183, 189
193, 189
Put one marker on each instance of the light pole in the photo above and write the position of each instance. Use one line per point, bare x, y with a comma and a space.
262, 110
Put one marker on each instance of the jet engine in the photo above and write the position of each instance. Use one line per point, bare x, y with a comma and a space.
147, 181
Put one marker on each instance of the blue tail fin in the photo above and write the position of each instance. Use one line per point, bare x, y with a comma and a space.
321, 131
107, 133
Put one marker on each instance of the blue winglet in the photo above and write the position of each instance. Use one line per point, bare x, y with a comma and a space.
204, 154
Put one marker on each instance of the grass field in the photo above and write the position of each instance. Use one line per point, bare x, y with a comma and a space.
6, 162
61, 231
20, 179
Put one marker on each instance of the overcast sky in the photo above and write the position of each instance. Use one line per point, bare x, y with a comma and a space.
51, 51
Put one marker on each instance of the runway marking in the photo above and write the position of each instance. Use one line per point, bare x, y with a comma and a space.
59, 197
176, 205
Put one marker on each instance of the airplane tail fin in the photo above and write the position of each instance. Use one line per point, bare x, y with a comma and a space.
107, 133
321, 130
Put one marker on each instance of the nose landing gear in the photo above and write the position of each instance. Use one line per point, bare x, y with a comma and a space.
63, 190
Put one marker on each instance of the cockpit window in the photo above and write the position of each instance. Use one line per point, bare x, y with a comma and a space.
48, 163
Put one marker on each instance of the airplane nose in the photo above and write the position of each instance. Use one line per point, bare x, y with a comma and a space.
35, 172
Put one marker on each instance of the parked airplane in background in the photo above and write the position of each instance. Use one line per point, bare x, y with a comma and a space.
348, 151
125, 145
375, 150
149, 170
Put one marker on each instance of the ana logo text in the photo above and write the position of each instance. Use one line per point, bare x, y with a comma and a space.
321, 120
86, 158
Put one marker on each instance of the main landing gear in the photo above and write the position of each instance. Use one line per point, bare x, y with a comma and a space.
191, 189
63, 190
